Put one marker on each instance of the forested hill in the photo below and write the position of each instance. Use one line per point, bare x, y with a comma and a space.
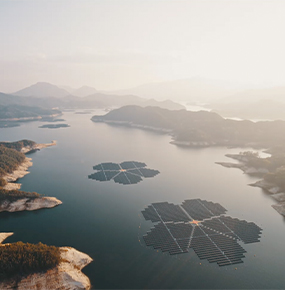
18, 145
19, 259
25, 112
10, 157
200, 128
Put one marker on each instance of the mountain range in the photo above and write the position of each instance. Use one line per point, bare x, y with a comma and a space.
262, 104
42, 90
193, 89
229, 100
49, 96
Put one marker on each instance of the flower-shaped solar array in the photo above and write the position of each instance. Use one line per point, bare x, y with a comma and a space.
128, 172
200, 225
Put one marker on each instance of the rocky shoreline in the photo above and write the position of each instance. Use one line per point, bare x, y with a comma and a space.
37, 146
66, 276
21, 171
29, 204
274, 190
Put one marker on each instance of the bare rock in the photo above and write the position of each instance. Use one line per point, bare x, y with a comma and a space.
29, 204
66, 276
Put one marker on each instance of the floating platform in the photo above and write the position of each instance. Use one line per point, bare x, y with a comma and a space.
128, 172
202, 226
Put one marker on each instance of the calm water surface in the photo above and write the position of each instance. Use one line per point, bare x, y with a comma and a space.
103, 219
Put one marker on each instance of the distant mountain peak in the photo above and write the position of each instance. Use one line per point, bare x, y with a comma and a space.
42, 90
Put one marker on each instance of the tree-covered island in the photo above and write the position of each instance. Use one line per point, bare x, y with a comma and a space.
198, 129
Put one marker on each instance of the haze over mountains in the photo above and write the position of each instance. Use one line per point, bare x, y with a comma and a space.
193, 89
42, 90
45, 90
227, 99
267, 103
82, 91
47, 95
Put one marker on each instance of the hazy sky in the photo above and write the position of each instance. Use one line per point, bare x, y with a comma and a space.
119, 44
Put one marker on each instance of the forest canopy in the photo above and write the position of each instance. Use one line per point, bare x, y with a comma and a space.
25, 258
13, 195
18, 145
10, 159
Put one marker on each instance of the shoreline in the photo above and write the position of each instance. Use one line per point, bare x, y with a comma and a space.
134, 125
24, 119
18, 173
4, 236
22, 169
174, 141
67, 275
275, 191
37, 146
29, 204
26, 203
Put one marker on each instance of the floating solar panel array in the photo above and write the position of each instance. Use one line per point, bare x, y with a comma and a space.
128, 172
202, 226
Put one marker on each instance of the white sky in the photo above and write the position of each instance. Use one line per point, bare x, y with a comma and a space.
119, 44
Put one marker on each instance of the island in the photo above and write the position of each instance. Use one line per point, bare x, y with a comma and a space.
14, 165
17, 112
29, 266
54, 126
271, 170
51, 119
198, 129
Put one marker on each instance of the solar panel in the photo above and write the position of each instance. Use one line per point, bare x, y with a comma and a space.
199, 225
128, 172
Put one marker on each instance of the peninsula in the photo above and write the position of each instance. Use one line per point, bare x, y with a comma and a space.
14, 165
271, 170
45, 267
30, 266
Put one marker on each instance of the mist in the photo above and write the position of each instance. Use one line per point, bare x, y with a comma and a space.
111, 45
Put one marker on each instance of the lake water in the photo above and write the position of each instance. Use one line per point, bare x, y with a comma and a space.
103, 219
